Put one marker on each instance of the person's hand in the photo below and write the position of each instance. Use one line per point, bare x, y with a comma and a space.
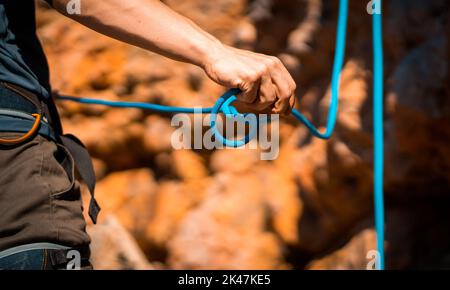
266, 85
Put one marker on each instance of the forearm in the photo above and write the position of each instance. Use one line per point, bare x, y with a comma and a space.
264, 81
148, 24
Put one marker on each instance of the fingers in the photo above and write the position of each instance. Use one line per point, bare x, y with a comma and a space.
283, 83
282, 79
267, 92
264, 80
250, 108
292, 101
259, 94
257, 87
284, 107
250, 90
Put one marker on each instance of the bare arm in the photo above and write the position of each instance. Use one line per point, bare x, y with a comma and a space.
153, 26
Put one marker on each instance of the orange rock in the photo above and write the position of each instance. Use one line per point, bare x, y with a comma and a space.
113, 248
188, 165
283, 200
172, 202
234, 160
157, 134
225, 208
128, 195
358, 254
232, 213
100, 168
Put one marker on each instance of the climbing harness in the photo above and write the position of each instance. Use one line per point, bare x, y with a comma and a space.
21, 110
224, 105
35, 117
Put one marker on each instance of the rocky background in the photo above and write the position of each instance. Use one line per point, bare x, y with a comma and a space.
225, 209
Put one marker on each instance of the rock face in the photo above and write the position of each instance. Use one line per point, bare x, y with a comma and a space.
309, 208
357, 254
113, 248
235, 217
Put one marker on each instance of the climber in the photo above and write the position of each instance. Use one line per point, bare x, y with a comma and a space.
41, 218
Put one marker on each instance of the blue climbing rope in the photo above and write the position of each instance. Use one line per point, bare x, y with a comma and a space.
378, 88
224, 105
339, 56
224, 102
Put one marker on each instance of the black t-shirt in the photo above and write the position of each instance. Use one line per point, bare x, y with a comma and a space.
22, 60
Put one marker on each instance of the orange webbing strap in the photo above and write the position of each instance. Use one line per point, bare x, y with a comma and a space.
26, 136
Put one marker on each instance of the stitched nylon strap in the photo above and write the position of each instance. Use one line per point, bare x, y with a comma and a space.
83, 164
13, 123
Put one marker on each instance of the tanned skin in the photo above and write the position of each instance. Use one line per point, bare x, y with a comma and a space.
266, 84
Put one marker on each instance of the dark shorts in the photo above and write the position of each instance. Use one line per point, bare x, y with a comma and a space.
40, 198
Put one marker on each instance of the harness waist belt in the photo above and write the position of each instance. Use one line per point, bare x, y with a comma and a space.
24, 112
15, 121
